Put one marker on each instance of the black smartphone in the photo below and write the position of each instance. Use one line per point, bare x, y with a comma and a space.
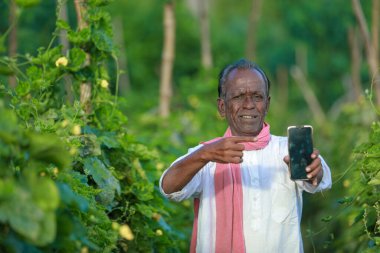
300, 145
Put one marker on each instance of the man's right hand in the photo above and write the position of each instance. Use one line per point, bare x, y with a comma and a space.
226, 150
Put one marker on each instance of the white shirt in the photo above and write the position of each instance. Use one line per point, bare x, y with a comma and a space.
272, 202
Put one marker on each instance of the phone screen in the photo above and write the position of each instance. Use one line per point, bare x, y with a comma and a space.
300, 145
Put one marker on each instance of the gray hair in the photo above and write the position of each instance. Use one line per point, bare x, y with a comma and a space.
240, 64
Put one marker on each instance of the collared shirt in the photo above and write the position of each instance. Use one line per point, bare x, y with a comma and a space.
272, 202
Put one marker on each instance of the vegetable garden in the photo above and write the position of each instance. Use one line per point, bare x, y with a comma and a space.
81, 154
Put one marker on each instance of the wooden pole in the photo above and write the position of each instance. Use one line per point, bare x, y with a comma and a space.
65, 48
250, 50
13, 38
125, 83
167, 60
85, 87
206, 54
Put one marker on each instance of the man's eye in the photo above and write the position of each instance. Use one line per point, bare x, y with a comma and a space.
237, 96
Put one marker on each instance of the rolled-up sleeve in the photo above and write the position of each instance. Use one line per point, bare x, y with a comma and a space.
192, 189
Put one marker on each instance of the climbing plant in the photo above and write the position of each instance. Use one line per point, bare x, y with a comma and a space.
73, 179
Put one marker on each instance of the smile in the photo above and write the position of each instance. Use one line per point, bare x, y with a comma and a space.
248, 117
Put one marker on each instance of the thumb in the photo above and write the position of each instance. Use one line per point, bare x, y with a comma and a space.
287, 159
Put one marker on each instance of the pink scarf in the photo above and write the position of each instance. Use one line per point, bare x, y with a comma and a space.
229, 200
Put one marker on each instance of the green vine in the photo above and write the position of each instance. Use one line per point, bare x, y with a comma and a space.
79, 182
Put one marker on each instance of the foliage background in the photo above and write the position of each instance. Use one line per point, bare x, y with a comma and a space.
125, 141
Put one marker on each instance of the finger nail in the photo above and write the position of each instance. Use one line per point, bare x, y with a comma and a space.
307, 169
309, 176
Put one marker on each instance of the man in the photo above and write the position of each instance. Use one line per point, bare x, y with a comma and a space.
245, 200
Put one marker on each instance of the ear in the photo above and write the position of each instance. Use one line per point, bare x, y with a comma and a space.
268, 104
221, 107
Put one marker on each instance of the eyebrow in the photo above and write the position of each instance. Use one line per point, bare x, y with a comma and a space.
245, 91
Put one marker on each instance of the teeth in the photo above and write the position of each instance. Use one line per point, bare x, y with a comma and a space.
247, 117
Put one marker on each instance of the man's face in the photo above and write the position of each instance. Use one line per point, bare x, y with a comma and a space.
245, 103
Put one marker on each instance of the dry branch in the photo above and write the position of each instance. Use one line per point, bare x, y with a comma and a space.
370, 48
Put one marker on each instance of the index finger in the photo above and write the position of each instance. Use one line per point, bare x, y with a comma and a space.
315, 153
240, 139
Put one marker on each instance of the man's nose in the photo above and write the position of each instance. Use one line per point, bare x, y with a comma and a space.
249, 102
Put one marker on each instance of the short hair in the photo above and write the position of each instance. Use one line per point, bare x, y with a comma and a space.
240, 64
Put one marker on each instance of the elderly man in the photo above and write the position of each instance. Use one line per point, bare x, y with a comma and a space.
244, 199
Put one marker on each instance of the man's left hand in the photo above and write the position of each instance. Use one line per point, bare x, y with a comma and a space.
314, 170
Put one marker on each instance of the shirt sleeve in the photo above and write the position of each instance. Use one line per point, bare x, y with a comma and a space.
324, 184
192, 189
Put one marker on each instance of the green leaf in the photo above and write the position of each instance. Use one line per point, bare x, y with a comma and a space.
62, 24
103, 178
22, 88
47, 230
77, 58
102, 41
109, 140
146, 210
34, 73
46, 195
49, 149
90, 145
71, 198
143, 190
79, 38
30, 209
374, 181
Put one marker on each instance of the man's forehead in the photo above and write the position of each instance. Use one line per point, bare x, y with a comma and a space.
246, 89
245, 78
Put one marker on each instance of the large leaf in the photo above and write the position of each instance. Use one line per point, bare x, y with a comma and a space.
103, 178
30, 208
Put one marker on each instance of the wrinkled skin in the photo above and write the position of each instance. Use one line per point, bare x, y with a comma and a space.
245, 102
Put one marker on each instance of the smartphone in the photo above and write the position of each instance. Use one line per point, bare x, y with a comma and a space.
300, 146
